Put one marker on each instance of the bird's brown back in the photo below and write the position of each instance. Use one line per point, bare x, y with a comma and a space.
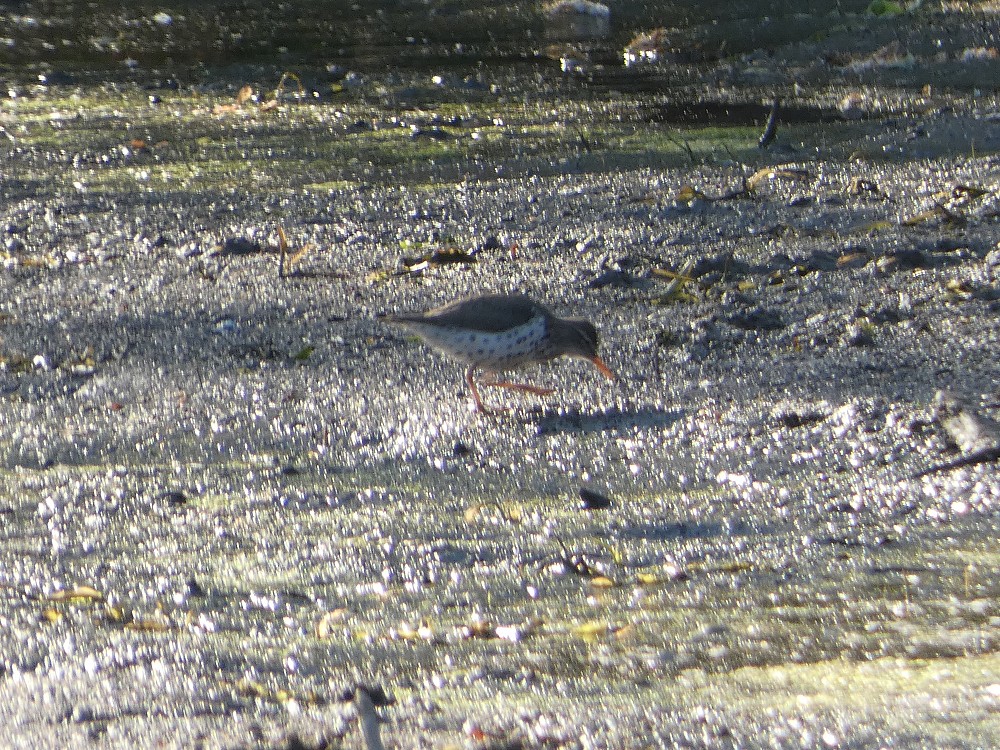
490, 313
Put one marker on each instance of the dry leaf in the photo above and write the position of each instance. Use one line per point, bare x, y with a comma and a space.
625, 631
288, 259
687, 194
734, 567
862, 185
328, 623
854, 259
404, 632
775, 173
478, 629
591, 631
876, 226
148, 626
960, 288
925, 216
77, 594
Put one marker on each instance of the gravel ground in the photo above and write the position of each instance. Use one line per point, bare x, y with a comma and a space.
227, 495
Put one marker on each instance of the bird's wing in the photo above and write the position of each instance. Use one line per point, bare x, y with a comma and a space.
488, 314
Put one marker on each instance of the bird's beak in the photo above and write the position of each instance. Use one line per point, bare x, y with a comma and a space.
603, 368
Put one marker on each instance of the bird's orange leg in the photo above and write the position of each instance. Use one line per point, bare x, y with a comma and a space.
475, 391
521, 387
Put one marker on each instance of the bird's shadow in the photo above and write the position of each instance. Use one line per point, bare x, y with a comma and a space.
553, 423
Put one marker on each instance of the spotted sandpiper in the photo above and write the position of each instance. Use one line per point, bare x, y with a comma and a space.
499, 332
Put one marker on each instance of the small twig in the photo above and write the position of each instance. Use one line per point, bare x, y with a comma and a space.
369, 720
771, 130
279, 90
283, 250
288, 259
365, 700
685, 146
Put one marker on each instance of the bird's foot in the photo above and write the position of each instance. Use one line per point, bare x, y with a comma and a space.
485, 410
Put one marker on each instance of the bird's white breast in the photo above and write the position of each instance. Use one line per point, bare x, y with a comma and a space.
494, 351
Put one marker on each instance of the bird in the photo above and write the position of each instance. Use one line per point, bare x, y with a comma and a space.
501, 332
